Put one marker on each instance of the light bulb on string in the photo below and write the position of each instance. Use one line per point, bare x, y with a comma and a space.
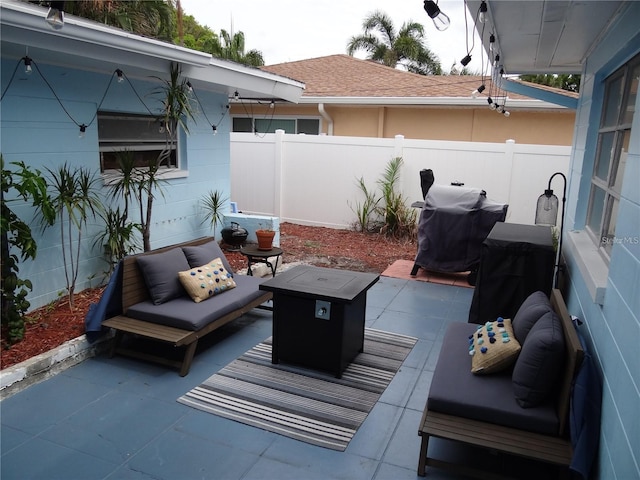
27, 65
120, 75
492, 43
478, 91
83, 129
215, 129
482, 15
440, 20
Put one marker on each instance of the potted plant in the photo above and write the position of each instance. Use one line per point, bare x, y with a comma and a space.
265, 238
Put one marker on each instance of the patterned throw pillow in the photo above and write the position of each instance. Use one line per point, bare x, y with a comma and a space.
493, 347
206, 281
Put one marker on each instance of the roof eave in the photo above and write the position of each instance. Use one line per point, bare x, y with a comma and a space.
31, 19
540, 94
427, 101
24, 24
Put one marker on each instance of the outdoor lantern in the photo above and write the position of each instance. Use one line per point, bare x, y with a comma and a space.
547, 215
547, 209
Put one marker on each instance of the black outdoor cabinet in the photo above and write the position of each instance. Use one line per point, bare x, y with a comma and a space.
516, 260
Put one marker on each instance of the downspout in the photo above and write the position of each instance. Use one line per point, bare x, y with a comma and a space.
326, 116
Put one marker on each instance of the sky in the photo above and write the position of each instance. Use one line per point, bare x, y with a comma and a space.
290, 30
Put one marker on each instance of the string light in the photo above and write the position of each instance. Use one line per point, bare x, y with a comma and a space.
465, 61
478, 91
215, 129
27, 65
55, 15
482, 15
120, 75
236, 96
83, 129
189, 87
492, 43
440, 20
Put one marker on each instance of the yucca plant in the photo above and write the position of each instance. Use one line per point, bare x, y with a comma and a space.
213, 203
177, 108
75, 200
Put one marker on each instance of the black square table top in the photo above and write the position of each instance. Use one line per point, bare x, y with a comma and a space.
321, 283
509, 234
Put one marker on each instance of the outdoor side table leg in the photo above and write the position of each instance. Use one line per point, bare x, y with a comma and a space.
249, 261
272, 266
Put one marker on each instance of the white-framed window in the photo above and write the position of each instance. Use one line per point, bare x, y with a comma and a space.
143, 135
309, 126
621, 90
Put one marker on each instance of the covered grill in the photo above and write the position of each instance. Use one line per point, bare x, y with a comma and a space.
454, 221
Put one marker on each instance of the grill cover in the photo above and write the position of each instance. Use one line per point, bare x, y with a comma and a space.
454, 221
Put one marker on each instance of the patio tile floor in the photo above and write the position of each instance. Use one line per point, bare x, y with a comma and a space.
119, 419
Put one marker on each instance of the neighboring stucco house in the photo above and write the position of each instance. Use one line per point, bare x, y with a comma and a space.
73, 88
601, 41
347, 96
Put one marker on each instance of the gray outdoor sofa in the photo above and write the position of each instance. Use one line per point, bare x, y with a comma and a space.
522, 410
156, 306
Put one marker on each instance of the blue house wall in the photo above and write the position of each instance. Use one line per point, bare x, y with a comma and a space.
36, 130
613, 323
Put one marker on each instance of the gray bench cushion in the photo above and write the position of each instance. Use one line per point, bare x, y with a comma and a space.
490, 398
186, 314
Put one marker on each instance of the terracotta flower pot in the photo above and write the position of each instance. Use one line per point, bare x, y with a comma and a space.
265, 239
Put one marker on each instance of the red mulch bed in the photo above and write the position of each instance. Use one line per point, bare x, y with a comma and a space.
54, 324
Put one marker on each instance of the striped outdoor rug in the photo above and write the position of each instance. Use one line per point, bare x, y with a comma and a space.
308, 405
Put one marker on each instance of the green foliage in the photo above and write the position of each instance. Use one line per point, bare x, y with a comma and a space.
567, 82
398, 220
232, 47
212, 203
177, 109
30, 187
177, 106
119, 237
149, 18
388, 213
75, 201
406, 46
365, 210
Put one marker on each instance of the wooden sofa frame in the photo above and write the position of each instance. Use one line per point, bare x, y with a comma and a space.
546, 448
134, 290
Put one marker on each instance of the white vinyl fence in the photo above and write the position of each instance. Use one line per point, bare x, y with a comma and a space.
312, 179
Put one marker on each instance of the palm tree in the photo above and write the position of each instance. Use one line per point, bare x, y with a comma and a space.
405, 47
230, 46
150, 18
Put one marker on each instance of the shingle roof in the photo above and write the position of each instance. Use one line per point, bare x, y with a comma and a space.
346, 76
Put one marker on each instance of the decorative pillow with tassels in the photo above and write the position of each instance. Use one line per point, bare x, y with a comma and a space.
207, 280
493, 347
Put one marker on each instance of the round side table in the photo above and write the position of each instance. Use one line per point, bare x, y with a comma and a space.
254, 255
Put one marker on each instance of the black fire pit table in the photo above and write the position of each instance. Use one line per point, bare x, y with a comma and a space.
318, 316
